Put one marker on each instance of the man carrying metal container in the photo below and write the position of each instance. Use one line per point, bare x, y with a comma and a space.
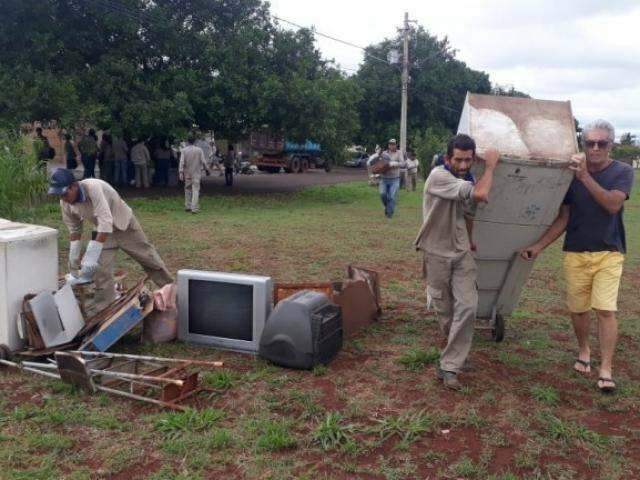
591, 215
450, 197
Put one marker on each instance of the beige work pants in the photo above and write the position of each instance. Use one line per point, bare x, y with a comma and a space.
412, 180
452, 290
192, 193
142, 176
134, 243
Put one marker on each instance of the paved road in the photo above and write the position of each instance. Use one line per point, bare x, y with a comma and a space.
258, 182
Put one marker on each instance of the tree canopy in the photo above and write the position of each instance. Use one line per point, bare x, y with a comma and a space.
438, 85
159, 67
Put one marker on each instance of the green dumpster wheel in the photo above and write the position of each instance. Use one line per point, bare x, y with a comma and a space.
5, 352
497, 332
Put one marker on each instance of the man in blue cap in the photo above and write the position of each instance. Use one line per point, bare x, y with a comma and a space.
115, 227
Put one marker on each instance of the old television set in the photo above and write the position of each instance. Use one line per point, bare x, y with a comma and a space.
223, 310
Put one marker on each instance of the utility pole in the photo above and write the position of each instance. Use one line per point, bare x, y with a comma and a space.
405, 85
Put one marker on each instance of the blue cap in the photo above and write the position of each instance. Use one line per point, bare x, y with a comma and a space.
60, 181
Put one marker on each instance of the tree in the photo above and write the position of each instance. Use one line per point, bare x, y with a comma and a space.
508, 92
159, 67
429, 143
628, 139
439, 83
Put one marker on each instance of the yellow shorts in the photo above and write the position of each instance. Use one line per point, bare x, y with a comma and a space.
593, 280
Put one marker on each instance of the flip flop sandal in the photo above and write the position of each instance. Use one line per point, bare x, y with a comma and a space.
607, 388
584, 364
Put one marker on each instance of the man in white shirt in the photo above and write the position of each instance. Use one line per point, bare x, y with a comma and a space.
141, 160
390, 178
192, 163
412, 172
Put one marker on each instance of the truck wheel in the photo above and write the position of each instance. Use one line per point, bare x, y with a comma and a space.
304, 165
294, 165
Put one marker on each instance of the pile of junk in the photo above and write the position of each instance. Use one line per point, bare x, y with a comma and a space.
53, 329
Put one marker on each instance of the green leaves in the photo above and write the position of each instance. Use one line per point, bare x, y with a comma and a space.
157, 68
437, 89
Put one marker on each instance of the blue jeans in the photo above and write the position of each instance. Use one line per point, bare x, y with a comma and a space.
388, 190
120, 174
161, 176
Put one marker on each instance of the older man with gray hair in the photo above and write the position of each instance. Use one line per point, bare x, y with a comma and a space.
595, 244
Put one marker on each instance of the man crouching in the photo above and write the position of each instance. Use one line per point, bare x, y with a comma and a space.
450, 197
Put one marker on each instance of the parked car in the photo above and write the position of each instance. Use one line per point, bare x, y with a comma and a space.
358, 161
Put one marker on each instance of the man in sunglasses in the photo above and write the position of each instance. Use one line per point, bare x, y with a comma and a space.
115, 227
591, 215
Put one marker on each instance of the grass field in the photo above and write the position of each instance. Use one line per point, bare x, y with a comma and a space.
377, 411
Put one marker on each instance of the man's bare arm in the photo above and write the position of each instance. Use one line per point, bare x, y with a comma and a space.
556, 229
611, 200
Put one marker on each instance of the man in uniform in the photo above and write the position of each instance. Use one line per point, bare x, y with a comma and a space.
192, 163
450, 196
116, 227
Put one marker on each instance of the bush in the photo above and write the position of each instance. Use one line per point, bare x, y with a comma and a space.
22, 183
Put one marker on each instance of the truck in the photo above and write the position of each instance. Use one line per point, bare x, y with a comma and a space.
272, 153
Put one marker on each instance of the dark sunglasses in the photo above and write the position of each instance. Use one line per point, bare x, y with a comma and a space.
600, 143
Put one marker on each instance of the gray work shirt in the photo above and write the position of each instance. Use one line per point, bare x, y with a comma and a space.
447, 201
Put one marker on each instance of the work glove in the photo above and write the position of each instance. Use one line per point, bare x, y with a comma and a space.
73, 280
75, 249
89, 263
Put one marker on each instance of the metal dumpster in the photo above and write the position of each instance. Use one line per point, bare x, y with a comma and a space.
536, 139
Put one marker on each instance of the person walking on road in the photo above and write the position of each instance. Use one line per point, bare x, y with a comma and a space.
192, 164
229, 164
390, 178
450, 197
594, 245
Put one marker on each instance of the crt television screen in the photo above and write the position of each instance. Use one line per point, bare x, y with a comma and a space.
221, 309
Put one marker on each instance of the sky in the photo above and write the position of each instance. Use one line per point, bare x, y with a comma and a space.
584, 51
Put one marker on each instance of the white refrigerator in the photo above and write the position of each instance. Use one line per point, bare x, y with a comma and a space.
28, 264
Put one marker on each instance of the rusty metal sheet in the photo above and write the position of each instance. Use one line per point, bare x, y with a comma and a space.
521, 127
284, 290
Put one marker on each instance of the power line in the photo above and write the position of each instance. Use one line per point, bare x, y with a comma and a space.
335, 39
